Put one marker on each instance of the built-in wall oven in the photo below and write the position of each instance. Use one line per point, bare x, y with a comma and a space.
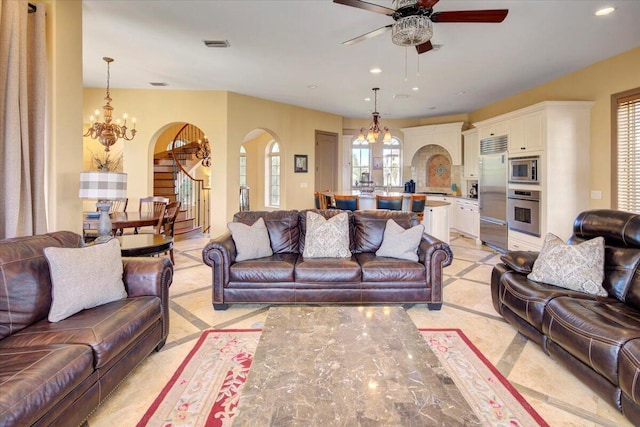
523, 208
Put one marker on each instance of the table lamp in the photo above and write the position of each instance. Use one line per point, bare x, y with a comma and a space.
103, 187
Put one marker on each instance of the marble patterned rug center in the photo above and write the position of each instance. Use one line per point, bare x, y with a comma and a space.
206, 388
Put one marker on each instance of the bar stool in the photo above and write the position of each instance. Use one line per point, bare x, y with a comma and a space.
347, 202
417, 205
392, 203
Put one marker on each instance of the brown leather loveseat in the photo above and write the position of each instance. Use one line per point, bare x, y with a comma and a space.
58, 373
288, 277
596, 338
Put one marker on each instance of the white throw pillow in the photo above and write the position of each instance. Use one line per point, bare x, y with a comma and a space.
327, 238
576, 267
252, 241
400, 243
83, 278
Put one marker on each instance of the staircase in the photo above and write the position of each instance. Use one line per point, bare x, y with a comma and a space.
171, 180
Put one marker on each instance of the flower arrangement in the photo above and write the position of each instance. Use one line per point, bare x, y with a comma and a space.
105, 163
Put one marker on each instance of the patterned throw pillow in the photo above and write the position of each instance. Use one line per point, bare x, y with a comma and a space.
576, 267
400, 243
83, 278
327, 238
252, 241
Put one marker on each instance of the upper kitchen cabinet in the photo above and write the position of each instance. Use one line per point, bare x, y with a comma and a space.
471, 153
447, 135
493, 129
525, 134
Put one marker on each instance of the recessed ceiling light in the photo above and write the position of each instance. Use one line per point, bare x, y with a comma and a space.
604, 11
462, 92
415, 89
159, 84
367, 99
375, 70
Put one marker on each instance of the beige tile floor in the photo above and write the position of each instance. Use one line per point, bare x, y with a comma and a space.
556, 394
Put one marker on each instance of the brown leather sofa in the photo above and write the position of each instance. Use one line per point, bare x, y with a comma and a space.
58, 373
287, 277
595, 338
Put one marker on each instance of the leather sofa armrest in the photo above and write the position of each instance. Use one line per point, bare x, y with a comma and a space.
520, 261
150, 277
219, 254
435, 255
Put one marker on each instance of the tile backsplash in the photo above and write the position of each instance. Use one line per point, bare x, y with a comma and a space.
432, 170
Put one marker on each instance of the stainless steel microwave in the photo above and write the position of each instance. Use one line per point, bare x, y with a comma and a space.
524, 170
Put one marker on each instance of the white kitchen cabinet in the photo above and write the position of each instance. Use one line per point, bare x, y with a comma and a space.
436, 221
471, 153
559, 133
525, 134
493, 129
467, 217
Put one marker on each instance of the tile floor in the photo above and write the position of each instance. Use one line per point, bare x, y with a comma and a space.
556, 394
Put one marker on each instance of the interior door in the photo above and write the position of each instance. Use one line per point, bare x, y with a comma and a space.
326, 156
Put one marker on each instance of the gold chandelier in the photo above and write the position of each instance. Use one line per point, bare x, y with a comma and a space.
109, 133
374, 130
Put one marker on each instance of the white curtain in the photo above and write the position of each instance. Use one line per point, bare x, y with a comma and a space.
22, 119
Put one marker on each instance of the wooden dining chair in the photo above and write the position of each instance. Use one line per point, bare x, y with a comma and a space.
392, 203
168, 226
417, 205
347, 202
153, 205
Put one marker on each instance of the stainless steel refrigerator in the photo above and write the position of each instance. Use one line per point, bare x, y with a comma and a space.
492, 192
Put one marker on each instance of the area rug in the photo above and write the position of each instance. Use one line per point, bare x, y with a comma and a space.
205, 389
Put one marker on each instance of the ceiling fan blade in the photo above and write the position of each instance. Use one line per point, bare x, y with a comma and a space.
368, 35
427, 3
366, 6
424, 47
495, 15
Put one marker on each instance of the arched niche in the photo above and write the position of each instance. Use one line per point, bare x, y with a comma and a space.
432, 169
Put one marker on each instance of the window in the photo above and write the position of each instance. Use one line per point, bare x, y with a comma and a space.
391, 162
273, 172
626, 150
360, 160
243, 166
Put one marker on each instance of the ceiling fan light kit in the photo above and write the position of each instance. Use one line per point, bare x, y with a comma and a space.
414, 20
411, 31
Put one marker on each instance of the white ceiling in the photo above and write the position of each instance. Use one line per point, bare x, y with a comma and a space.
280, 48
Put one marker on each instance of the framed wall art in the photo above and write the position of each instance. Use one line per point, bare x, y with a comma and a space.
300, 163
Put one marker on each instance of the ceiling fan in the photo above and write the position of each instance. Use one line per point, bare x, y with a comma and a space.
413, 18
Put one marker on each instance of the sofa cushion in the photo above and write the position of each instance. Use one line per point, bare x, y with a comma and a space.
107, 329
25, 283
369, 227
386, 270
281, 225
629, 370
592, 330
326, 214
400, 243
527, 299
576, 267
34, 379
327, 270
252, 241
83, 278
327, 238
273, 269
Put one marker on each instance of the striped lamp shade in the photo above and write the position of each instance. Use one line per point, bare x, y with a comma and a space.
103, 185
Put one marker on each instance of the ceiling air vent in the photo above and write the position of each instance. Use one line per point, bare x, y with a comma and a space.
216, 43
159, 84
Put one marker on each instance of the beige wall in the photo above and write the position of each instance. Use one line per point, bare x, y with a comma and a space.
294, 128
64, 124
594, 83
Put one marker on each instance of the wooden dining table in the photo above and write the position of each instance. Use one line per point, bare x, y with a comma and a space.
122, 220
